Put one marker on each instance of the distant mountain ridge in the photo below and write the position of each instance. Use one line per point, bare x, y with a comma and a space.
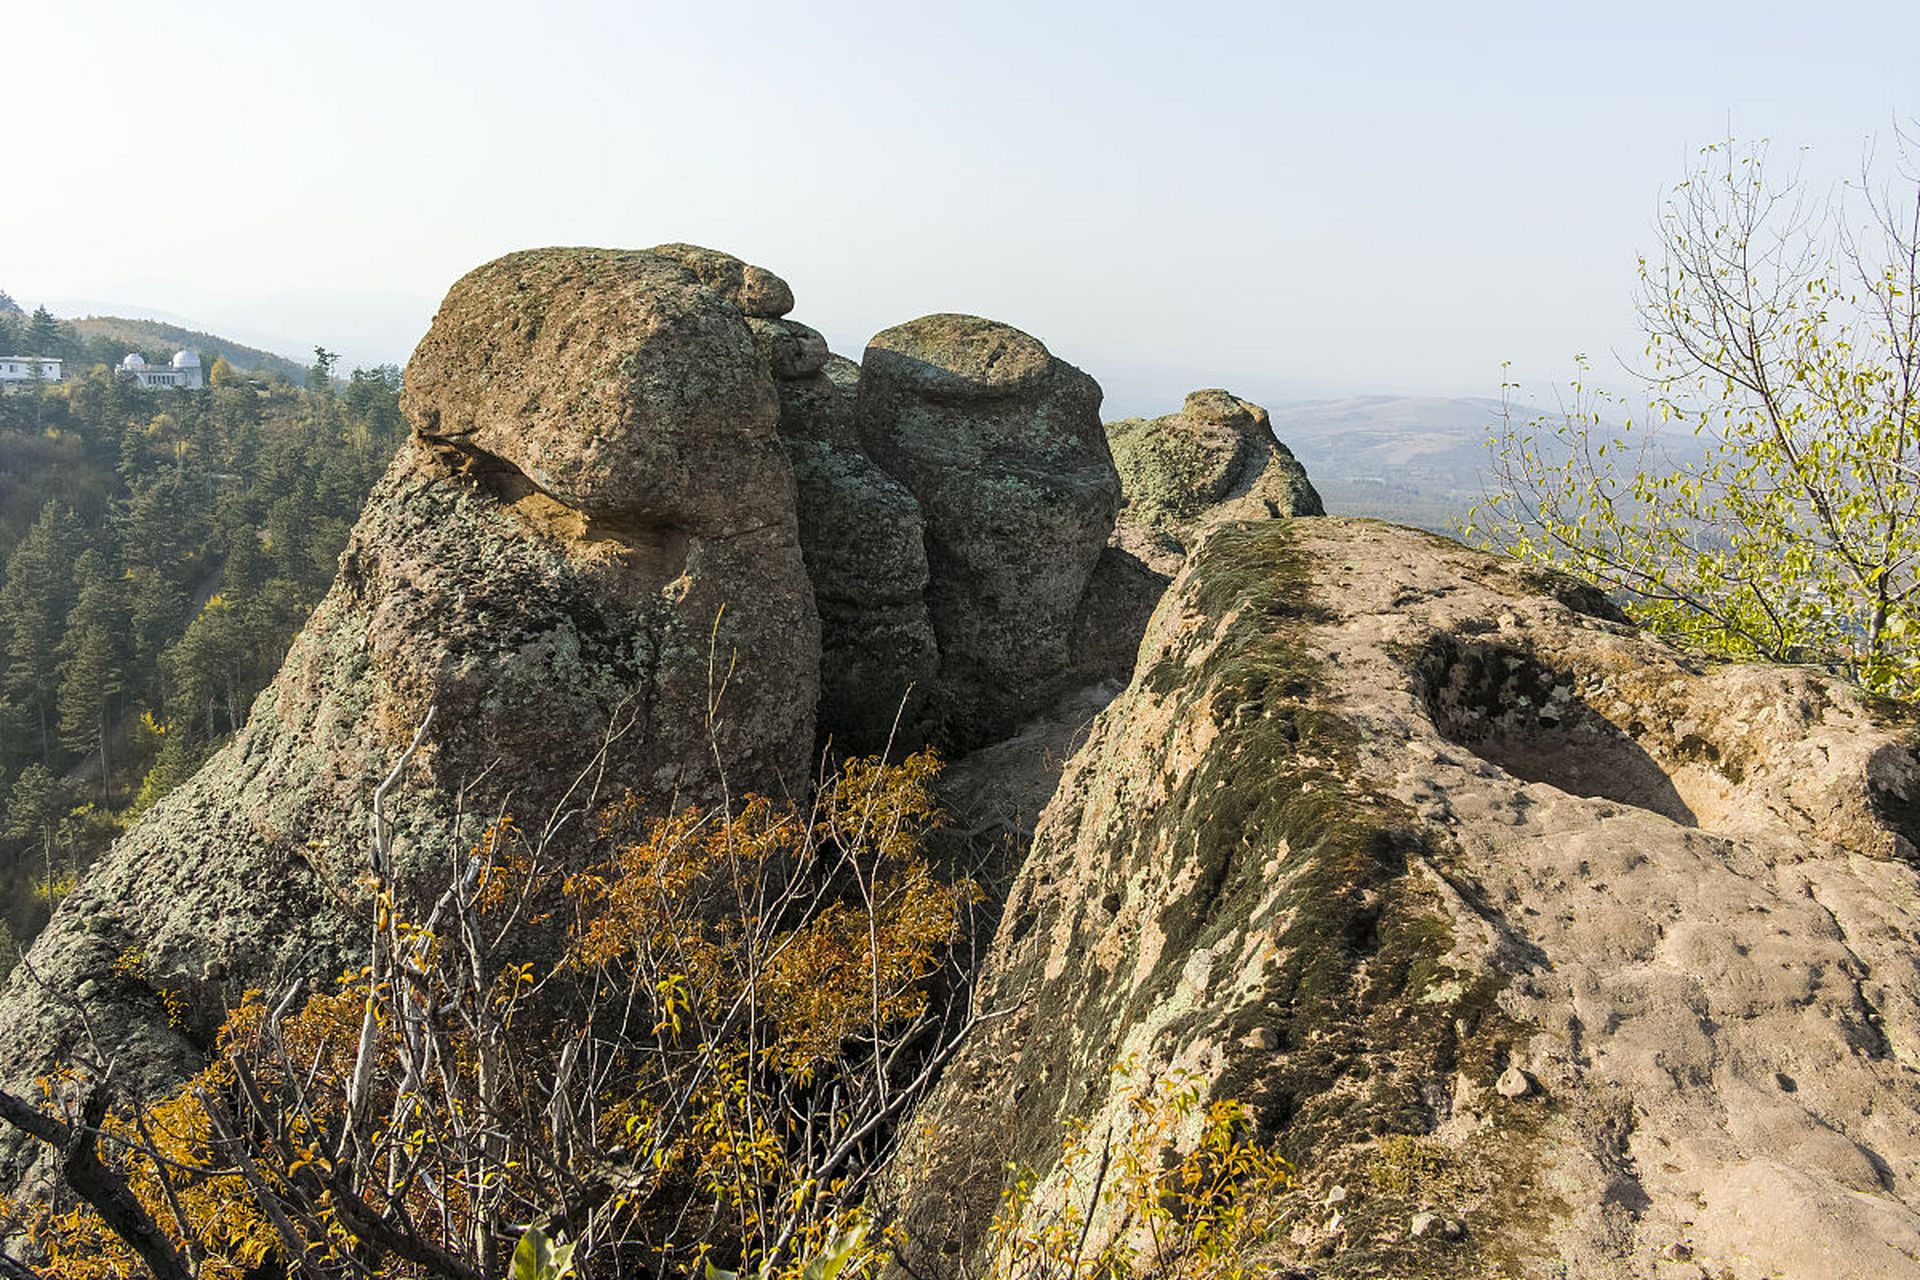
1418, 460
158, 333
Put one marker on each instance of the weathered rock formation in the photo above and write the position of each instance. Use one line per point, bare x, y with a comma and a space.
592, 533
1000, 443
1215, 460
622, 405
1491, 908
1498, 914
865, 546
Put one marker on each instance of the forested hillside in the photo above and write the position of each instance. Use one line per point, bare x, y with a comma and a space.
151, 337
159, 551
104, 339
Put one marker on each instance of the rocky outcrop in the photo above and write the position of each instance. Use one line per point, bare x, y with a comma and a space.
1000, 444
1540, 948
1216, 459
865, 546
592, 536
1493, 910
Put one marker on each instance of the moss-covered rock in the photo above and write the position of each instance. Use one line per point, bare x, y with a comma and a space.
1216, 459
1540, 949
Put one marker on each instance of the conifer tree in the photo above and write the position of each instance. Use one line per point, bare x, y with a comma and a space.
93, 664
37, 804
43, 336
34, 601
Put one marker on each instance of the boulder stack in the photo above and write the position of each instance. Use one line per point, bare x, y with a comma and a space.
623, 406
1001, 445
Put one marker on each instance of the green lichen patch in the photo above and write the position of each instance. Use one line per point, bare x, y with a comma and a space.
1169, 476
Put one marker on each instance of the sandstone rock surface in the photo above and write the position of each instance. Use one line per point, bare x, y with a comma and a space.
1384, 829
1000, 443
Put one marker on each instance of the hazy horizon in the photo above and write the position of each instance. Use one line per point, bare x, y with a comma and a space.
1294, 201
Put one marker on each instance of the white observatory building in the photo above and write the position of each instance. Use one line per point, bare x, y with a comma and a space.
182, 371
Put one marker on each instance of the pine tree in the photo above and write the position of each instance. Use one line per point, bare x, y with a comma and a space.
34, 601
93, 663
37, 804
43, 336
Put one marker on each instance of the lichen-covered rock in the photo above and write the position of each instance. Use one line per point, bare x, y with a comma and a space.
865, 550
1216, 459
540, 632
616, 381
1384, 830
792, 350
1000, 442
755, 290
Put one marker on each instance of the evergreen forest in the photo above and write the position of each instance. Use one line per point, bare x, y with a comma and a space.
158, 552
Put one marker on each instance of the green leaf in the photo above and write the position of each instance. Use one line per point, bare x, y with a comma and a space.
538, 1258
829, 1264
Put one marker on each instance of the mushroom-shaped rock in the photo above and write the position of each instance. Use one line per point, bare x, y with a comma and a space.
616, 381
1001, 444
617, 402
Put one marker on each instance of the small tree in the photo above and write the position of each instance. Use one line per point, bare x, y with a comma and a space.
320, 372
1784, 333
93, 664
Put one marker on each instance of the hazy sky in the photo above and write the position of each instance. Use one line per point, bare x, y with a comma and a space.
1292, 199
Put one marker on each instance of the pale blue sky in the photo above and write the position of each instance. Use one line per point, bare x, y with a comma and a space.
1292, 199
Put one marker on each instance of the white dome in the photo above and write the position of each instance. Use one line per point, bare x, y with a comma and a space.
186, 360
133, 361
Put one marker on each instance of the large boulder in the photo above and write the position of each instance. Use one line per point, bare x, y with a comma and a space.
617, 382
1213, 461
586, 562
1540, 948
1000, 443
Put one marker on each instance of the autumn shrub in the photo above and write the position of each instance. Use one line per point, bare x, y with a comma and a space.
705, 1071
1177, 1188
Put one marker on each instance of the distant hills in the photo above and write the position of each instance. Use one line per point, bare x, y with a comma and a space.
1418, 460
148, 334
